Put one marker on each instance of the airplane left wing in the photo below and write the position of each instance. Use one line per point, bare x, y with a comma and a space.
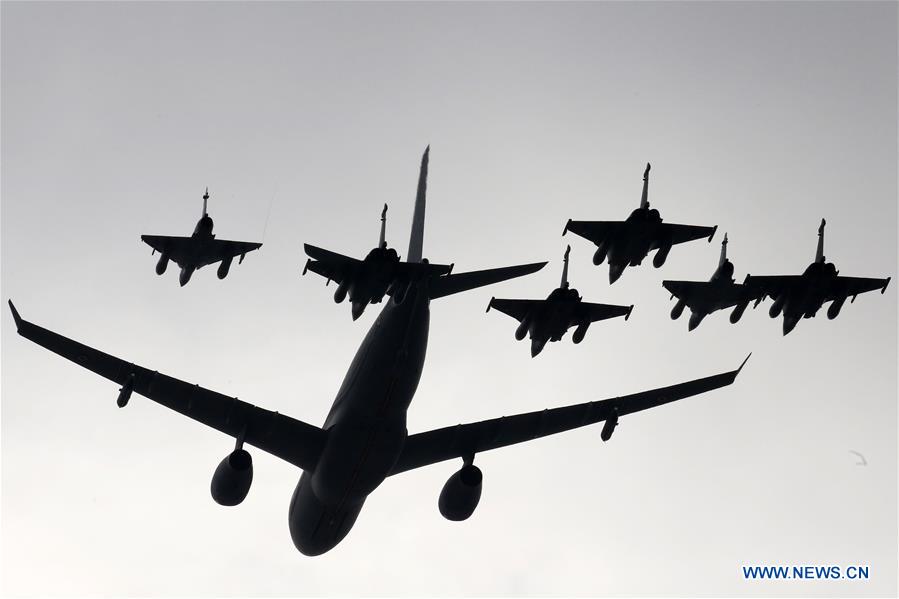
683, 233
594, 230
851, 286
291, 440
222, 249
331, 265
466, 440
593, 312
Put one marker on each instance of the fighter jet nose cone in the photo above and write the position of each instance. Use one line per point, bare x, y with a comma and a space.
357, 310
614, 275
536, 348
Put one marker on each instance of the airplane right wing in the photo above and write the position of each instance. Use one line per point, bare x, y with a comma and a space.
200, 252
450, 284
221, 249
466, 440
682, 233
594, 230
852, 286
331, 265
291, 440
516, 308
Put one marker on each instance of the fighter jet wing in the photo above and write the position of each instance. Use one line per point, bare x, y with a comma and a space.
594, 230
331, 265
291, 440
516, 308
586, 311
221, 249
683, 233
465, 440
851, 286
181, 250
706, 297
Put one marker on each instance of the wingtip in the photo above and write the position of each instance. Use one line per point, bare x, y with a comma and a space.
490, 304
629, 310
15, 313
714, 230
744, 363
884, 288
565, 230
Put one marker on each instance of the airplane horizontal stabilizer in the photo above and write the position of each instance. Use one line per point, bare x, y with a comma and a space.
464, 281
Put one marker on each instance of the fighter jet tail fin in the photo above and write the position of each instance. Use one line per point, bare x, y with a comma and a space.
819, 254
416, 237
450, 284
644, 199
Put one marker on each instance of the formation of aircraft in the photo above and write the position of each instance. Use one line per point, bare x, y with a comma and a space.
364, 440
198, 250
718, 293
626, 243
549, 319
801, 296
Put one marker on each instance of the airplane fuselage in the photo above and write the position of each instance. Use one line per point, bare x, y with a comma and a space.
804, 301
366, 426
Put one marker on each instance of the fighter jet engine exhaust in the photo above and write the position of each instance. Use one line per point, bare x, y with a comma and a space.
224, 267
162, 264
232, 479
834, 309
695, 319
678, 309
461, 493
661, 255
580, 331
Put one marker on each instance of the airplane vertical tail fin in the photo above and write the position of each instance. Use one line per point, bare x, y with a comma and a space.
723, 257
382, 240
205, 199
819, 254
644, 199
416, 237
564, 283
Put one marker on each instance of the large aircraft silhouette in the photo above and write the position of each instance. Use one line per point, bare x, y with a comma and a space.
801, 296
549, 319
364, 438
718, 293
626, 243
198, 250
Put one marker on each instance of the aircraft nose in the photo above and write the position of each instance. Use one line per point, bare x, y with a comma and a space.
614, 274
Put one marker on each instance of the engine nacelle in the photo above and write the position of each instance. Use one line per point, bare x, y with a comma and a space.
600, 255
163, 263
232, 479
609, 427
461, 493
580, 331
678, 309
738, 312
776, 308
834, 309
341, 292
224, 267
522, 329
661, 255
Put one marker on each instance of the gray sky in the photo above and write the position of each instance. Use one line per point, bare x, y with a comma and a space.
758, 117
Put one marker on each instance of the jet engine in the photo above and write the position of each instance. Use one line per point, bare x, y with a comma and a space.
776, 308
232, 479
461, 493
834, 310
522, 329
224, 267
661, 255
738, 312
342, 290
580, 331
678, 309
163, 263
600, 255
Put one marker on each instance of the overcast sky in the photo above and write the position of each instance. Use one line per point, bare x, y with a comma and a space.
761, 118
